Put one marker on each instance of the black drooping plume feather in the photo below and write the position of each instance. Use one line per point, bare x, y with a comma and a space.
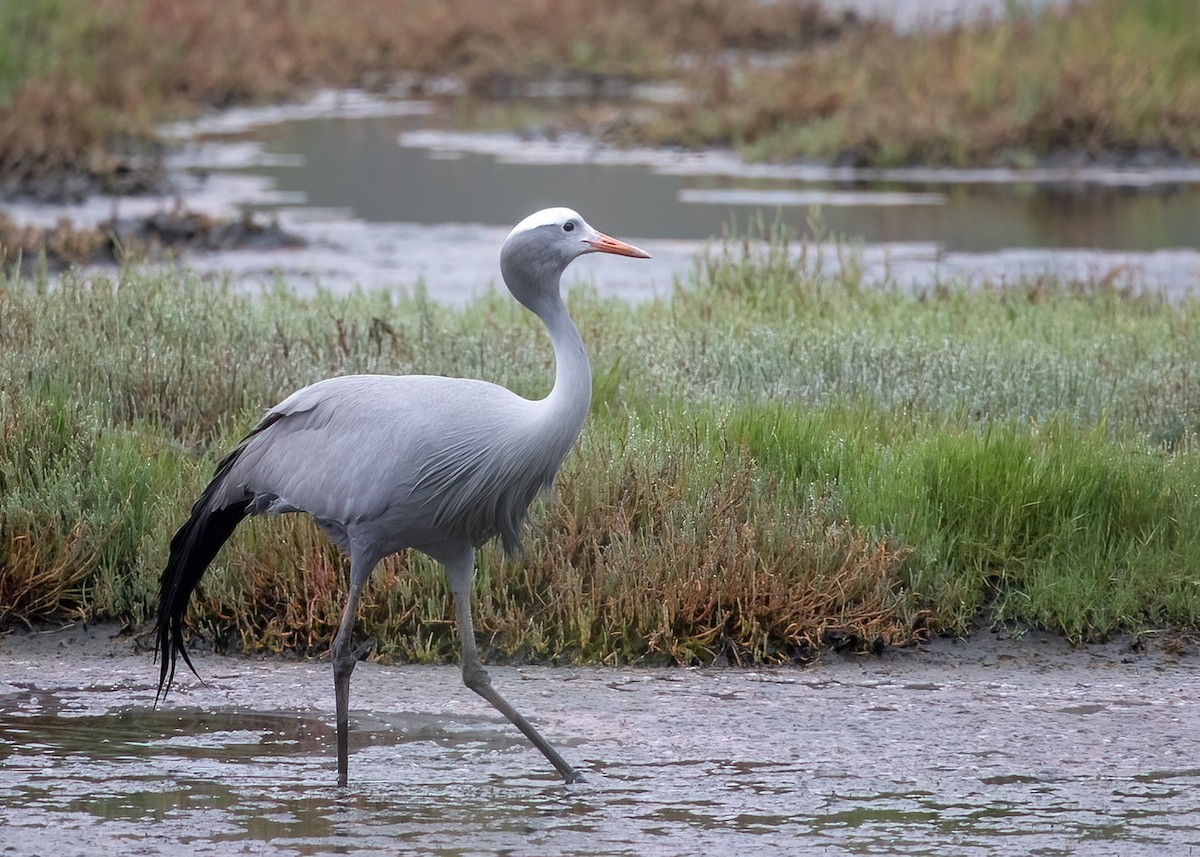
192, 549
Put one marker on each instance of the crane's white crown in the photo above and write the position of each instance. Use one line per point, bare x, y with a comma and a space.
545, 217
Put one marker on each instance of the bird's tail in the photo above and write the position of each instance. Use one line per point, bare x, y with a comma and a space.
192, 549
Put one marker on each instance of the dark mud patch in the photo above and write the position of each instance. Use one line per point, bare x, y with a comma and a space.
121, 170
30, 249
194, 231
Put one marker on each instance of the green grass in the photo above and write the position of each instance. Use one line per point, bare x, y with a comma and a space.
1051, 526
777, 460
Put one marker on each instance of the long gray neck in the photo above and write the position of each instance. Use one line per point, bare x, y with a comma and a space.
534, 280
569, 400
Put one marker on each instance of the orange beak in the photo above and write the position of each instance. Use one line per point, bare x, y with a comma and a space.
606, 244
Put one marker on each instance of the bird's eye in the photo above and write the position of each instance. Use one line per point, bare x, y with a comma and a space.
569, 226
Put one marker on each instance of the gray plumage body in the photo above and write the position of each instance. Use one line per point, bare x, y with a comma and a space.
384, 463
483, 454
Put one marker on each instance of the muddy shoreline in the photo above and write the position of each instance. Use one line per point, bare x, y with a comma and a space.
1037, 650
152, 237
992, 745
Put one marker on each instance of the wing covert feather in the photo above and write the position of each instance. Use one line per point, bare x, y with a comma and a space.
369, 447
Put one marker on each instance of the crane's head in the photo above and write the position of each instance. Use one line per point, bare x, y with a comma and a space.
540, 247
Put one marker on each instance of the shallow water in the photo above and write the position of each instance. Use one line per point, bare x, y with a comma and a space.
991, 747
386, 198
409, 201
908, 15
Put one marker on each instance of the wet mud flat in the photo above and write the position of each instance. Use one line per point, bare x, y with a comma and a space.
991, 746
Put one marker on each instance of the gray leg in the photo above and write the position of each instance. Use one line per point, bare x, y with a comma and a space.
460, 569
344, 657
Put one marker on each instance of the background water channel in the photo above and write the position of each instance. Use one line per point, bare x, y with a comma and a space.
387, 197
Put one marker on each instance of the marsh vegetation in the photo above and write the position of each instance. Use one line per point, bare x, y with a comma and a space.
84, 84
778, 459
